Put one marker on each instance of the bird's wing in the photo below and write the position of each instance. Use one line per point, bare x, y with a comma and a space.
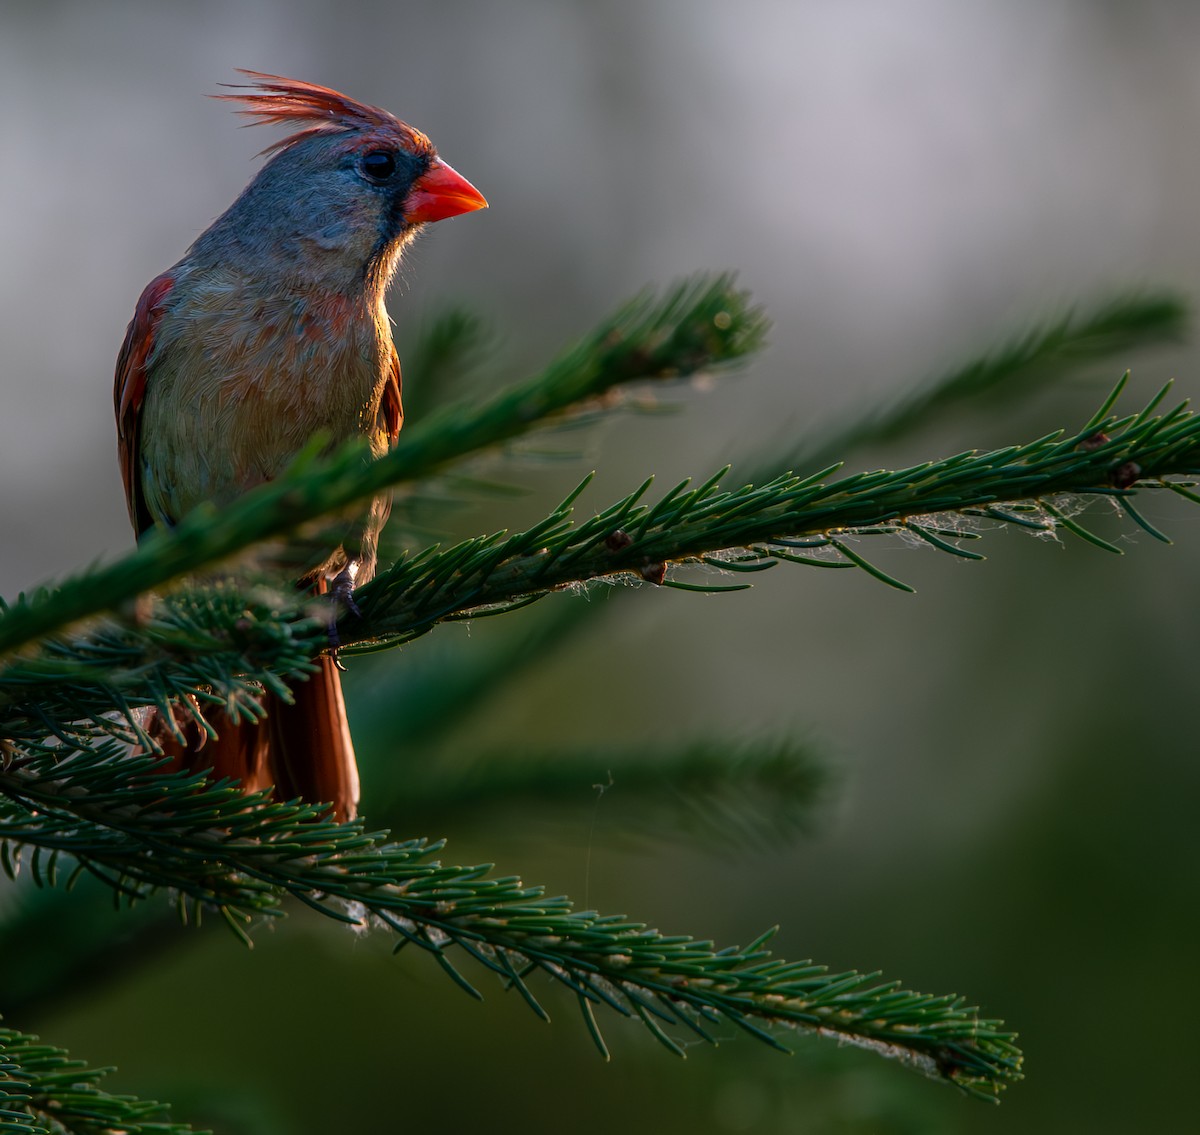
129, 392
392, 409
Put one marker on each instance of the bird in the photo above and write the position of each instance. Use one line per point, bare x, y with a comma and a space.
271, 331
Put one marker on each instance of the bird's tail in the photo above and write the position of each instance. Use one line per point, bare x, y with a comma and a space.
302, 749
310, 754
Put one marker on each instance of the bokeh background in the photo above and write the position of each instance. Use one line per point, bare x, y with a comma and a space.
1012, 749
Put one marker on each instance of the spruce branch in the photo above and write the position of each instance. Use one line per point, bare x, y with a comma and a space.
44, 1092
791, 518
69, 791
125, 821
720, 794
101, 945
315, 487
218, 644
454, 685
701, 324
1045, 352
449, 350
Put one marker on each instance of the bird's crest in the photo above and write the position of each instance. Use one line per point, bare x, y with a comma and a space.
272, 99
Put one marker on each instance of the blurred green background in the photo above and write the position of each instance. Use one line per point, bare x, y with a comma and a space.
1013, 779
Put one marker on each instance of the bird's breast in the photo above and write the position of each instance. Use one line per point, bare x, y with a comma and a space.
241, 378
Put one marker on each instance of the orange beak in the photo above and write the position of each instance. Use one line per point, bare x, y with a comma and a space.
440, 192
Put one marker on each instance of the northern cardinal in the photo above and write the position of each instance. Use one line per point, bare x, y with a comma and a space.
270, 330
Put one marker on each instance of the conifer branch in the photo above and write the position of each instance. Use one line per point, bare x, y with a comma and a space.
1011, 370
91, 943
44, 1092
70, 792
449, 350
701, 324
125, 821
431, 701
792, 518
220, 643
721, 794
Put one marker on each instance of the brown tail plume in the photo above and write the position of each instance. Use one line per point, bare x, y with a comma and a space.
303, 749
310, 754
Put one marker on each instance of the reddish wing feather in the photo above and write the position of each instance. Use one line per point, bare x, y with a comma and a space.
129, 392
392, 408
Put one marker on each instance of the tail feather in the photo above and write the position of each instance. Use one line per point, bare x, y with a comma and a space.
302, 749
238, 752
310, 754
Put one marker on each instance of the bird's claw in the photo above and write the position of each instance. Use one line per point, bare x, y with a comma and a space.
341, 590
341, 595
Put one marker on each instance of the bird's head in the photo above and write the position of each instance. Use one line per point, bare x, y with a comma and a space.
343, 194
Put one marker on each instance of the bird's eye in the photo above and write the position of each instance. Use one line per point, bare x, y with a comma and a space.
379, 165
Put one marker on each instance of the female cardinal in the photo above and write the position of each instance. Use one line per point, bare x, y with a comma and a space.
270, 330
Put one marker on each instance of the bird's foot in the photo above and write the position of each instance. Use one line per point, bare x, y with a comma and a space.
341, 597
341, 590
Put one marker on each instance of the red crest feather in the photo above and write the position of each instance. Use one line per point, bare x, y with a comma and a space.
272, 99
